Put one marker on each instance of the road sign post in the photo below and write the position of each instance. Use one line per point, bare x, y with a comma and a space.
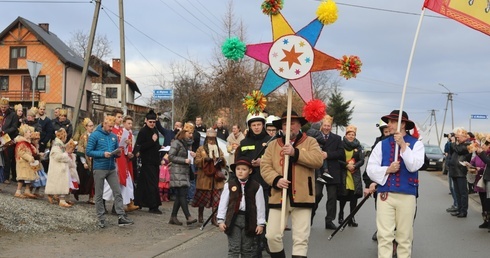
165, 95
34, 69
479, 116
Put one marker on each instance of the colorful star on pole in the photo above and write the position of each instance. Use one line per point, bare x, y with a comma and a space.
291, 56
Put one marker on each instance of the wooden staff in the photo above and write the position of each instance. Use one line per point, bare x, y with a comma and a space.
286, 157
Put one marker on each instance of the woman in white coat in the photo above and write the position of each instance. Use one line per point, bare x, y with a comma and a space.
59, 179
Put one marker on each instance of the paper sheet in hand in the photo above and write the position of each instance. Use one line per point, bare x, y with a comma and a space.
166, 148
116, 152
124, 137
189, 156
4, 139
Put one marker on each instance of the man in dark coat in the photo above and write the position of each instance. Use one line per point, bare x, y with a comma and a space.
9, 126
63, 122
47, 130
221, 131
458, 172
147, 193
333, 151
199, 125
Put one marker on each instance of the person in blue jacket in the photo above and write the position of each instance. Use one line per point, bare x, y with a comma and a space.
103, 147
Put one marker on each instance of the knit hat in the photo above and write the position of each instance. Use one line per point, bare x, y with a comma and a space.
351, 128
211, 133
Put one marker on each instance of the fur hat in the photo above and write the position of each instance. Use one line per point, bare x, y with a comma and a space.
17, 107
32, 111
242, 161
351, 128
211, 133
294, 115
63, 112
4, 101
394, 116
189, 127
41, 104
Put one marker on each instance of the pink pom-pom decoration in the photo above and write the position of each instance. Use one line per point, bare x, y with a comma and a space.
314, 110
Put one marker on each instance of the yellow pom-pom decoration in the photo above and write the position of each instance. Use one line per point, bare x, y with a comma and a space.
254, 102
327, 12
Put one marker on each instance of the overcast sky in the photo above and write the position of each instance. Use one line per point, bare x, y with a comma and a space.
380, 32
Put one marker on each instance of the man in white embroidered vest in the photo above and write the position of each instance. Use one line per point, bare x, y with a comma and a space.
397, 185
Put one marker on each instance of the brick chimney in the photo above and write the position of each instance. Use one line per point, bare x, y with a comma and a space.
44, 26
116, 64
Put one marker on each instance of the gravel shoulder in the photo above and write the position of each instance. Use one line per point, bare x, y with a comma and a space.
31, 226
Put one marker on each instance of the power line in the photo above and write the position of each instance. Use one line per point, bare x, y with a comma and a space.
152, 39
130, 42
387, 10
199, 10
195, 16
45, 2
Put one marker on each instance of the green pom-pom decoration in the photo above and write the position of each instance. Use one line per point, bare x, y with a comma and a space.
233, 49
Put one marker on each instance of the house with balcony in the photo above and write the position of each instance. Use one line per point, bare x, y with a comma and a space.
59, 79
106, 90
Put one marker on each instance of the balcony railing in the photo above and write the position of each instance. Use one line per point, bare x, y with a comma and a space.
18, 95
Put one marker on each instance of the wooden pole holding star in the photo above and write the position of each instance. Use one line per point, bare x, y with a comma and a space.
291, 58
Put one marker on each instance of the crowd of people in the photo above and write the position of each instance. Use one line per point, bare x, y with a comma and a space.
104, 163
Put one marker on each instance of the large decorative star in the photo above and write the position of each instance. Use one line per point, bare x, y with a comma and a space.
291, 56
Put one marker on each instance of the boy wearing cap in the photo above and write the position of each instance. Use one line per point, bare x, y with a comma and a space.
241, 211
397, 185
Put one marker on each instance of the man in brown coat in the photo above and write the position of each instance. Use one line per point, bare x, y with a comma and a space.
304, 157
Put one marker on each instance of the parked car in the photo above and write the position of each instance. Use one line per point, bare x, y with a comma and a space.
366, 148
435, 155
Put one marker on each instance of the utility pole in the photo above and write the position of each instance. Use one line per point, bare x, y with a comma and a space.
449, 98
123, 57
433, 114
83, 77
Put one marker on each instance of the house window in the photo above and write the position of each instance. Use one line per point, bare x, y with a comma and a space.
111, 93
40, 85
17, 53
4, 83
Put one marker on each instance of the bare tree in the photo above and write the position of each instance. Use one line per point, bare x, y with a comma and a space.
79, 43
324, 84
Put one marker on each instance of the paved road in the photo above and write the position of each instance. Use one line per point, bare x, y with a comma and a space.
437, 234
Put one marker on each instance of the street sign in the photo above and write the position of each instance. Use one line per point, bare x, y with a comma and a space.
479, 117
163, 94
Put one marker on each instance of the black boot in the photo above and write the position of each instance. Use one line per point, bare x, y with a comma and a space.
341, 217
485, 220
353, 223
280, 254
